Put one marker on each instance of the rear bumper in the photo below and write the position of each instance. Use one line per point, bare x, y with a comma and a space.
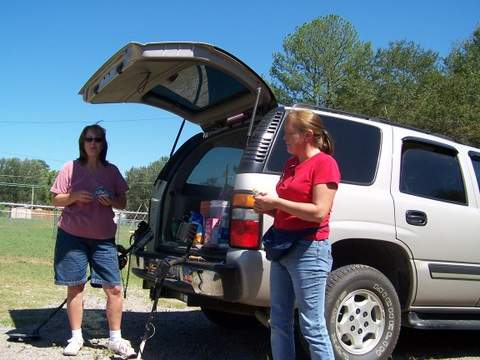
219, 281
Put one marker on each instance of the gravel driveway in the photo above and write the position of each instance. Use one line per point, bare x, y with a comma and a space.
186, 334
180, 334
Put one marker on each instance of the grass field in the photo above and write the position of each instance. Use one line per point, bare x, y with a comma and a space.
26, 282
26, 266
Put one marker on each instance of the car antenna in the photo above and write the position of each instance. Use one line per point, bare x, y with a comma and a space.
252, 119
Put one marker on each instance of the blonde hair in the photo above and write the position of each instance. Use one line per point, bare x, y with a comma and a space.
305, 120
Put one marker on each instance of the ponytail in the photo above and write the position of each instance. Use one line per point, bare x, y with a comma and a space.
325, 142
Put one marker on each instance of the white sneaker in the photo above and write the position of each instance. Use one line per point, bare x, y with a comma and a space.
121, 347
73, 347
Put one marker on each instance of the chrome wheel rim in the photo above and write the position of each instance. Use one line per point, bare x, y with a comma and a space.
360, 322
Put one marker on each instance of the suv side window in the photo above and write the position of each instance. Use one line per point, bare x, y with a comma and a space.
357, 148
432, 172
476, 165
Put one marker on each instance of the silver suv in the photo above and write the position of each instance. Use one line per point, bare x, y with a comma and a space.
405, 222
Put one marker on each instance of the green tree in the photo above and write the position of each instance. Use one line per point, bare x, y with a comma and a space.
140, 181
22, 179
321, 61
406, 79
460, 92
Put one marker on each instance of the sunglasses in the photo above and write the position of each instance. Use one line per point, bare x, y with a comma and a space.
91, 139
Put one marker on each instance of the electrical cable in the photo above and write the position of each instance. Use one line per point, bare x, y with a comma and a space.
54, 122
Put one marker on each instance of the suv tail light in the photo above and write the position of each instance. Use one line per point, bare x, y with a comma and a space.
245, 223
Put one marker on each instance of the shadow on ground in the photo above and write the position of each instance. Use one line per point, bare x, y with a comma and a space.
439, 344
189, 335
177, 334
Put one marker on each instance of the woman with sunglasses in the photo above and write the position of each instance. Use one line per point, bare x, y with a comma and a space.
88, 188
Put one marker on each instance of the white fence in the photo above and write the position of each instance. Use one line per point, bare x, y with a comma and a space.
51, 213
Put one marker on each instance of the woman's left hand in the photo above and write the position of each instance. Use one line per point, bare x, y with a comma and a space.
264, 203
104, 200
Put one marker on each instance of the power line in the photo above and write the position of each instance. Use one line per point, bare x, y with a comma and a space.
23, 185
16, 175
19, 176
13, 184
54, 122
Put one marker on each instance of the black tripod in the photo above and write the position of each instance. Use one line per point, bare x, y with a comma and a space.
186, 232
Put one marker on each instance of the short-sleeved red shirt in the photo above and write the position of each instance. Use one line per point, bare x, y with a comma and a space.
296, 184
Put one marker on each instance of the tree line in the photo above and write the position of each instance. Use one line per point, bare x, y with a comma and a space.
140, 181
324, 63
25, 181
29, 181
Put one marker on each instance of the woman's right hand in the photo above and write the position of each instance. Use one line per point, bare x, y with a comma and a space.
264, 204
81, 196
67, 199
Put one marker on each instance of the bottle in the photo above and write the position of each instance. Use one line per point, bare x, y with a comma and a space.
197, 218
220, 209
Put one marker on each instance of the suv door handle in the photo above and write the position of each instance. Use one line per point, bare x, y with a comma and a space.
416, 218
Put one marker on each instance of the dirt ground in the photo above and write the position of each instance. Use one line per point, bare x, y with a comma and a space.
183, 334
178, 334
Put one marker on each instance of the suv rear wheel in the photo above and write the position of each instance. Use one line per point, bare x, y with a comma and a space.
362, 312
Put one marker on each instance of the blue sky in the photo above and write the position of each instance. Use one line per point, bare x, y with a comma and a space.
50, 48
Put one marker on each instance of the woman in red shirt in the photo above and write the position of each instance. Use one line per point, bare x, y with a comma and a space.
305, 196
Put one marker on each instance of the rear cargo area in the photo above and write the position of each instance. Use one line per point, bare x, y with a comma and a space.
200, 191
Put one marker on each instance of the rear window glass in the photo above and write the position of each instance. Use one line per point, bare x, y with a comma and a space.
216, 168
198, 87
476, 166
357, 147
433, 172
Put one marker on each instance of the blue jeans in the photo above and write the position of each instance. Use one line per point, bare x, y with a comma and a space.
300, 275
74, 254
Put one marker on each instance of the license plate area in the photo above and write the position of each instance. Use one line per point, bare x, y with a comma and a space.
204, 282
181, 273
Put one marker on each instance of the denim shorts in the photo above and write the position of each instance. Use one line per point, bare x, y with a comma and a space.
74, 255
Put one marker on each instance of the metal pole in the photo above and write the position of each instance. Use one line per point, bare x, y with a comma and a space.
54, 228
176, 139
252, 120
33, 193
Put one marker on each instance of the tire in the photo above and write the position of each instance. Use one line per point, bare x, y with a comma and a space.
231, 321
362, 312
